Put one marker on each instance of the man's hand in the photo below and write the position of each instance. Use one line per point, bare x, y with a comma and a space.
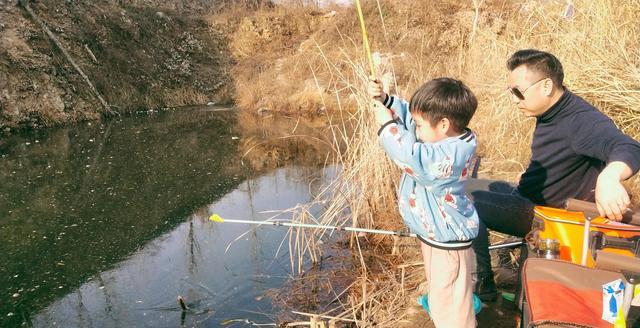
375, 90
611, 197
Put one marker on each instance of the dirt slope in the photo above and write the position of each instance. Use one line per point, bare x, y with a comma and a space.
138, 55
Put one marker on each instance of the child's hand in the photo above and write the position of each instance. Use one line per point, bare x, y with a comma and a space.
375, 90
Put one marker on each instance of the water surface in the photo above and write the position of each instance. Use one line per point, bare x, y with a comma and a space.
105, 224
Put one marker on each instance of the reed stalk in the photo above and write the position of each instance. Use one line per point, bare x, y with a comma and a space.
599, 46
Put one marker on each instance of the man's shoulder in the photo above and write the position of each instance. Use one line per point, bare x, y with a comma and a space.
584, 121
579, 105
581, 113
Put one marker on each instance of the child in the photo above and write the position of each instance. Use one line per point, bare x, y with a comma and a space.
429, 140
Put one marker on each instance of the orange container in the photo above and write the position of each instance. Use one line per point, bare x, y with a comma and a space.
568, 228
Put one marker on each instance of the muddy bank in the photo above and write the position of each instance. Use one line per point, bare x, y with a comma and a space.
136, 54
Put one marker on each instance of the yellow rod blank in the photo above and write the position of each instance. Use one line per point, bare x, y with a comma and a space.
365, 39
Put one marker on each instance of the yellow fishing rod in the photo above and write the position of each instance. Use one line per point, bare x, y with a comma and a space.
365, 39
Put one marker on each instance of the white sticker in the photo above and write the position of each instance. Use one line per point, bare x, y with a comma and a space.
612, 296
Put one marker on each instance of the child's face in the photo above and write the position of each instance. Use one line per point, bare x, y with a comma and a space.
427, 133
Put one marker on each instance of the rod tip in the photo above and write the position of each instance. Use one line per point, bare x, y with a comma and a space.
216, 218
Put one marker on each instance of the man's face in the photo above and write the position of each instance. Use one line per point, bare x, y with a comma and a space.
533, 87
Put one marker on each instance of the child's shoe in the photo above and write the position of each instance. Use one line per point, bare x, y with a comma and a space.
424, 301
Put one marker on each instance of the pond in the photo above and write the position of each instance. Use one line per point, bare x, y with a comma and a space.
106, 224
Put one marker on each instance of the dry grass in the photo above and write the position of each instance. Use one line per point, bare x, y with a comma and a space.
322, 65
601, 62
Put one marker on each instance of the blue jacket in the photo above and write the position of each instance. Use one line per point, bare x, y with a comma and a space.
432, 200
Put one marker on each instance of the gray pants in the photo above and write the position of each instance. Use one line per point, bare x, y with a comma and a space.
500, 208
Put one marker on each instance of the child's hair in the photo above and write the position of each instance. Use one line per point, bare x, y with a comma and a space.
539, 61
445, 98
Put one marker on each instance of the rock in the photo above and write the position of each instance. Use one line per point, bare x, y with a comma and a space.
211, 103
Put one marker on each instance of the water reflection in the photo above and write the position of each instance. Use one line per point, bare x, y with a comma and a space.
191, 261
103, 224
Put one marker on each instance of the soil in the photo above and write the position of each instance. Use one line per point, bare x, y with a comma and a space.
499, 314
138, 55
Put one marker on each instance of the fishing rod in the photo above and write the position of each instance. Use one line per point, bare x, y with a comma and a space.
507, 244
365, 39
365, 42
217, 218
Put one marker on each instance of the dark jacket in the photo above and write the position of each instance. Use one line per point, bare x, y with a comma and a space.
572, 143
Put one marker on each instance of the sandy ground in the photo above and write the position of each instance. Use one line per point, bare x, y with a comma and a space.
499, 314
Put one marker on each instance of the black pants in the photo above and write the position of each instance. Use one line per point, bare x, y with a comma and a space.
501, 209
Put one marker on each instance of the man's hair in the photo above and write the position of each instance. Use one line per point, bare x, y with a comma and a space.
445, 98
539, 61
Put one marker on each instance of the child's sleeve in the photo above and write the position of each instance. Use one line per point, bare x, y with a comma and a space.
400, 109
423, 162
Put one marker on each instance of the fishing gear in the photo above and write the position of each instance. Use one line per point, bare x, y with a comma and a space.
365, 39
217, 218
507, 244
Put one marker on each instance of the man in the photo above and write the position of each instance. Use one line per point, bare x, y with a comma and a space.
577, 152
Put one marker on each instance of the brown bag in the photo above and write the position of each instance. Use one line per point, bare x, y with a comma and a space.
562, 294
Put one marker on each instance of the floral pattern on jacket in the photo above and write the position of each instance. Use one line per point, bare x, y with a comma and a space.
432, 200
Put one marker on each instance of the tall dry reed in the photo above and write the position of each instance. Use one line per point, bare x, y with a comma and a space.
324, 67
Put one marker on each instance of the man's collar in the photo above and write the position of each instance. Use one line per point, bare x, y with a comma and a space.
555, 108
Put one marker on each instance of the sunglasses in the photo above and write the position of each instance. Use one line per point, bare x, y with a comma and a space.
520, 94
